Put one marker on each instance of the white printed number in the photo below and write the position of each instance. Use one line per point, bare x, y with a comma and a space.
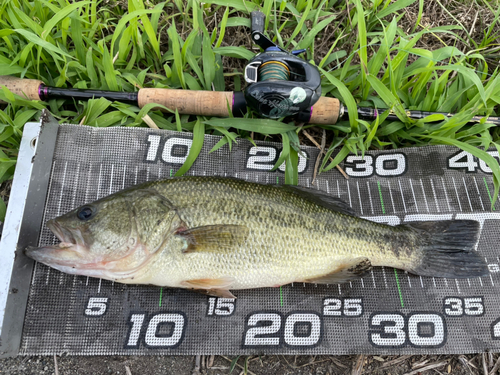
468, 162
456, 306
382, 165
220, 306
175, 150
346, 307
495, 330
264, 158
173, 325
419, 330
96, 306
266, 329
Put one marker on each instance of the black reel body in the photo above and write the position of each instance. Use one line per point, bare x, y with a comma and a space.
280, 83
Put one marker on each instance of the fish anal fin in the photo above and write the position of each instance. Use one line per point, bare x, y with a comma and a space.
214, 238
348, 271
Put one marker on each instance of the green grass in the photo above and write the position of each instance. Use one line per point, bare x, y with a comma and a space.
366, 58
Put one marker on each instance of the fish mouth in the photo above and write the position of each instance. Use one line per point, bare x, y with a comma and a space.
68, 256
64, 235
73, 256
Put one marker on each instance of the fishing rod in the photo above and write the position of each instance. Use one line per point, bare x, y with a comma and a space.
280, 84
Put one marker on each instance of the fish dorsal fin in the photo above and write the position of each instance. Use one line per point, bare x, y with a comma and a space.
214, 238
321, 199
351, 270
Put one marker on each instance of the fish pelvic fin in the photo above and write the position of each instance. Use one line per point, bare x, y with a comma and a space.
220, 283
448, 249
349, 271
221, 293
212, 287
214, 238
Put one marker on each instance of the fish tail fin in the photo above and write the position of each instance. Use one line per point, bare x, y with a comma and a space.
448, 249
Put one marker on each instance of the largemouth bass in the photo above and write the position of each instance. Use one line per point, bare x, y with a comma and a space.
218, 234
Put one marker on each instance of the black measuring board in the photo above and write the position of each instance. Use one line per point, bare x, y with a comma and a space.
386, 312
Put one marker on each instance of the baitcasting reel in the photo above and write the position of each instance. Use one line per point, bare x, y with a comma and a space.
280, 83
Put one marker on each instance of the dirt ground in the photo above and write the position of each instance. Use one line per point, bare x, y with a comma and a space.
264, 365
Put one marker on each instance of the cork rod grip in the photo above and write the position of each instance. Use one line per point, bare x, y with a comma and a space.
25, 88
205, 103
325, 111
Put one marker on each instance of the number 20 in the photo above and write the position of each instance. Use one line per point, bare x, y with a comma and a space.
265, 329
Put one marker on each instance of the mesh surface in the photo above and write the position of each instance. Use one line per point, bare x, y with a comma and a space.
387, 311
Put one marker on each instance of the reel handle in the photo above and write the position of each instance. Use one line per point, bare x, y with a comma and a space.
258, 21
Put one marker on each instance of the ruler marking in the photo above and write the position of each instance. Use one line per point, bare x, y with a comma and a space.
446, 194
111, 179
327, 187
349, 192
435, 196
338, 188
124, 175
399, 288
359, 197
362, 283
458, 287
392, 199
75, 185
425, 197
489, 195
402, 196
340, 292
491, 278
381, 198
421, 281
456, 192
373, 278
478, 193
98, 188
409, 281
385, 277
413, 192
62, 189
370, 196
467, 191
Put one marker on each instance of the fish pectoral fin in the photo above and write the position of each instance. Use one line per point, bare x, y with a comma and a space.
349, 271
214, 238
220, 283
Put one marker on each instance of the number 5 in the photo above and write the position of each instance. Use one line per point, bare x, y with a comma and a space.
96, 306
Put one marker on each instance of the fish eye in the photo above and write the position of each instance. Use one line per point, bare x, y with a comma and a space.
85, 213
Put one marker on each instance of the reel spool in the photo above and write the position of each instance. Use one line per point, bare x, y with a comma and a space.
273, 71
280, 83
